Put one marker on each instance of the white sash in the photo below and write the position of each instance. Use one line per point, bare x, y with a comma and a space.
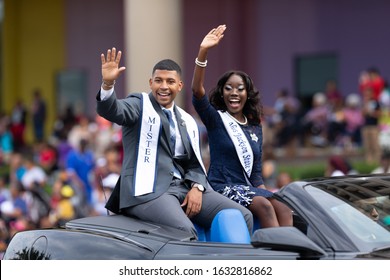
240, 142
193, 134
147, 148
148, 145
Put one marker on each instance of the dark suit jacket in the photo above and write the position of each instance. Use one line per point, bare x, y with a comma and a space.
127, 113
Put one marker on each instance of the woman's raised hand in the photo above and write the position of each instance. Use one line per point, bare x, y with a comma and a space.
213, 37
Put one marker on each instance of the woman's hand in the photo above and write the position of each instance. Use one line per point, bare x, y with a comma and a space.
213, 37
210, 40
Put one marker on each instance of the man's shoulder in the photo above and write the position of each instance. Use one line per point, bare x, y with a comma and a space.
136, 95
133, 99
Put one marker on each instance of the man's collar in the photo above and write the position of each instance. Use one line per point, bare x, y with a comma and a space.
170, 109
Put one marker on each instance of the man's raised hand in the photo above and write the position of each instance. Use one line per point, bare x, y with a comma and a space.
110, 66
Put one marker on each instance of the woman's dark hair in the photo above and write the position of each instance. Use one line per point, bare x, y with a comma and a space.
253, 108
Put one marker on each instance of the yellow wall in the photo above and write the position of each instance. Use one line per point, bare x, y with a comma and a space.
33, 51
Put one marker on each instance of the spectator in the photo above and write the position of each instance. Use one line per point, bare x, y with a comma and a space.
47, 157
69, 119
67, 177
376, 82
82, 162
4, 237
285, 121
63, 148
34, 175
6, 141
336, 166
370, 129
384, 166
384, 97
104, 137
65, 210
64, 123
339, 166
18, 124
384, 119
354, 120
113, 160
315, 121
282, 179
333, 94
34, 181
336, 123
5, 193
269, 170
101, 194
17, 168
39, 116
15, 211
84, 129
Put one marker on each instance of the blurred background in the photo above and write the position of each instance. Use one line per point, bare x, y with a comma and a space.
55, 46
322, 68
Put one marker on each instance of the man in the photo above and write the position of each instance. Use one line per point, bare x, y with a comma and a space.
81, 161
39, 116
162, 179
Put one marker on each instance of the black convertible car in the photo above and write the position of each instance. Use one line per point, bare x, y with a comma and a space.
334, 218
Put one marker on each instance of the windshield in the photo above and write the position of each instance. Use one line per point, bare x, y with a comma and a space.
362, 213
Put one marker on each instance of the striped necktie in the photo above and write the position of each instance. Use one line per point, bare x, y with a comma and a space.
172, 129
172, 132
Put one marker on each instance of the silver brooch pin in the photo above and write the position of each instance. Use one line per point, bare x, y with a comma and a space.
254, 137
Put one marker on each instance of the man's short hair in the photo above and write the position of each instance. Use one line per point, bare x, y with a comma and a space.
167, 64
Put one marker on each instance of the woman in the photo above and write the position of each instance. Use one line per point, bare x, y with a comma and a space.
232, 118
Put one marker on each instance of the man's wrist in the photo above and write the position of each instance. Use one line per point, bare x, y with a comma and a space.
198, 186
105, 94
107, 85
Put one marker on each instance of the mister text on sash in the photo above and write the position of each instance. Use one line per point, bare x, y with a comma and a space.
146, 171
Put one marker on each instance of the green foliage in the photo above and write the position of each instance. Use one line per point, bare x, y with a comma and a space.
300, 171
313, 169
4, 170
363, 167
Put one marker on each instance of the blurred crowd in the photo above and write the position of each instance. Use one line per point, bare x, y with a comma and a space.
68, 175
355, 120
71, 173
